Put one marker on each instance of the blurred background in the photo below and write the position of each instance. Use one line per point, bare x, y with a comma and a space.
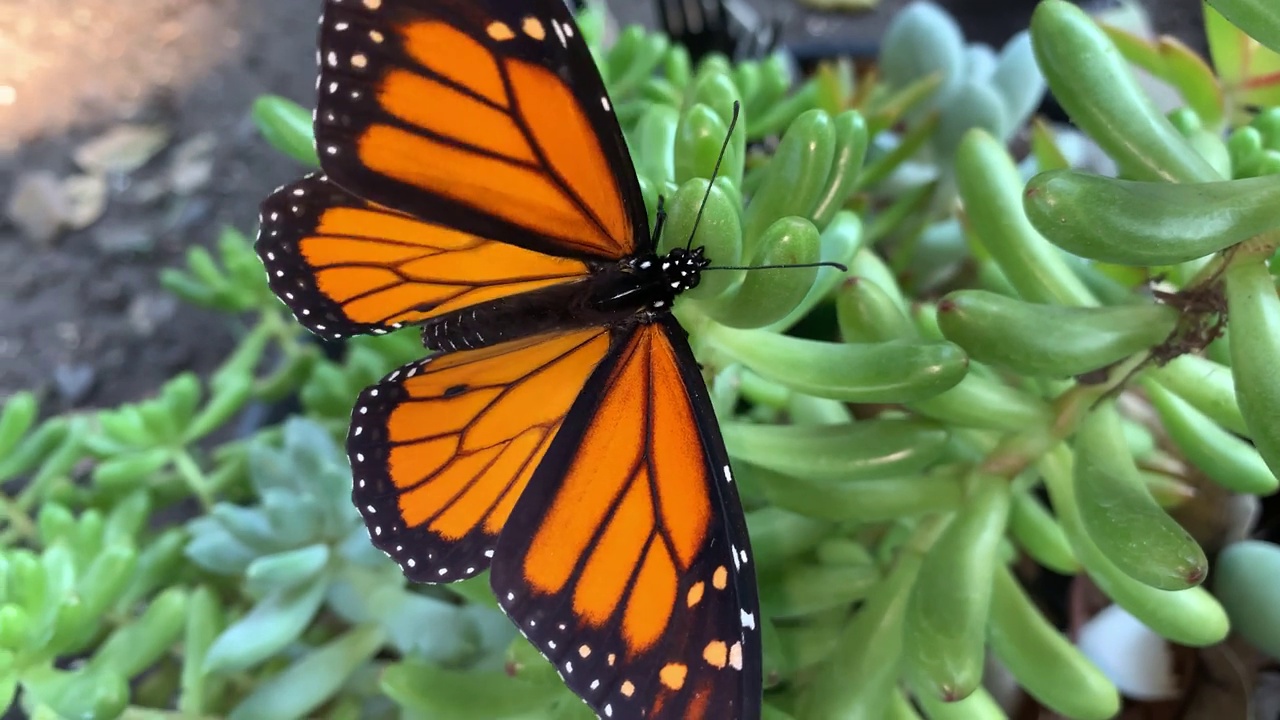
125, 138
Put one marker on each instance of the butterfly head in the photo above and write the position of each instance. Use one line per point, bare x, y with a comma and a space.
683, 268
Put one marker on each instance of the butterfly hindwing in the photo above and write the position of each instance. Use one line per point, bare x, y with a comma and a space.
475, 176
487, 115
346, 266
626, 561
442, 448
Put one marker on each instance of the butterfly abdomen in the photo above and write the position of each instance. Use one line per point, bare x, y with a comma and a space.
635, 290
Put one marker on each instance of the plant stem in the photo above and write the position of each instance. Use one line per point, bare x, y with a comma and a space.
142, 713
1018, 451
21, 526
195, 478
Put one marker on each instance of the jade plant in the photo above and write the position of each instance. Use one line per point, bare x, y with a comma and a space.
1012, 374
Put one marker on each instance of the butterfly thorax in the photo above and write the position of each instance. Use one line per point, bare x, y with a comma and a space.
637, 289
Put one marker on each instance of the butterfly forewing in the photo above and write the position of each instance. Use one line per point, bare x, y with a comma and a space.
627, 563
474, 174
346, 266
487, 115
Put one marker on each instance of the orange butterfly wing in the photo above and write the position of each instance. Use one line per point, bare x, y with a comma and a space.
471, 155
346, 266
480, 115
442, 448
628, 563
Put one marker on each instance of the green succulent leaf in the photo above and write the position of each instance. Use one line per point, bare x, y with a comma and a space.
286, 570
437, 692
1190, 617
287, 127
861, 501
923, 41
779, 535
867, 450
1228, 460
1012, 334
1245, 582
803, 590
796, 176
947, 614
860, 678
1208, 386
312, 680
1149, 223
1090, 79
1042, 660
991, 187
1040, 534
1120, 515
899, 371
17, 417
204, 622
98, 694
137, 645
866, 313
1259, 18
277, 620
767, 296
1254, 314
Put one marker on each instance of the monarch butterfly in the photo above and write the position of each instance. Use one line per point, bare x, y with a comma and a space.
476, 183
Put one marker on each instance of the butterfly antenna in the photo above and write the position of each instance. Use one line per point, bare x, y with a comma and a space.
733, 122
660, 219
715, 171
825, 263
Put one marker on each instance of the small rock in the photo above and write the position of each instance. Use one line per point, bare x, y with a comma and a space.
147, 191
38, 206
73, 382
108, 293
192, 165
1267, 695
1132, 656
10, 348
68, 333
86, 200
123, 239
151, 310
122, 149
188, 213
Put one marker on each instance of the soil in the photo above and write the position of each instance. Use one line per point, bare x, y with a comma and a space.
83, 319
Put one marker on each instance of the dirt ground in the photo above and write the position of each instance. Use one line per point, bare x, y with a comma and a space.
83, 319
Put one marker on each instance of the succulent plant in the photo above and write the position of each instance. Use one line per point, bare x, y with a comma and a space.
1047, 370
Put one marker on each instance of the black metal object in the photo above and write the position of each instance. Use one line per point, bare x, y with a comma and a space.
730, 27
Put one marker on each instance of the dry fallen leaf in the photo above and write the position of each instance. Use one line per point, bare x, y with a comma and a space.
192, 165
122, 149
38, 205
86, 200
